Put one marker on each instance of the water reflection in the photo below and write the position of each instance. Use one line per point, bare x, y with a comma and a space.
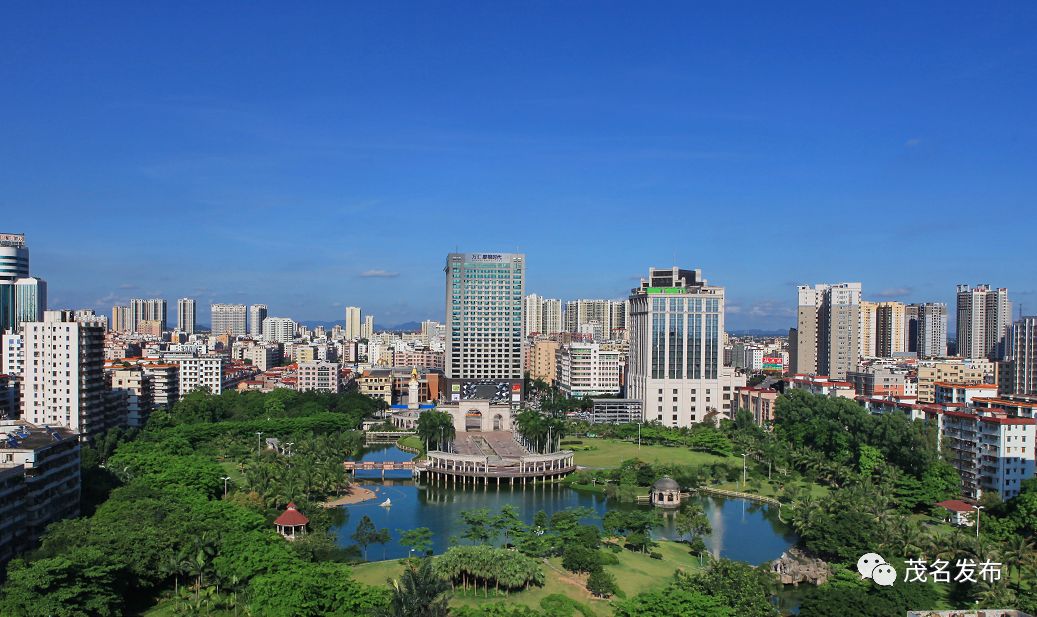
742, 530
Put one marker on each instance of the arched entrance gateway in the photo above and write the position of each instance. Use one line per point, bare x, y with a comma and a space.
473, 420
498, 422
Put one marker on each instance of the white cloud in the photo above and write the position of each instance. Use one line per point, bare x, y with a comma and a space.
378, 274
893, 292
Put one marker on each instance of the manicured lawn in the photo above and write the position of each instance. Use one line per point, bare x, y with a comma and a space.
767, 489
377, 572
635, 573
233, 470
603, 453
412, 441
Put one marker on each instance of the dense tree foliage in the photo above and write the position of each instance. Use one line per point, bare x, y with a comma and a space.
725, 588
488, 567
839, 430
419, 592
740, 586
847, 594
166, 529
542, 430
672, 601
436, 429
313, 590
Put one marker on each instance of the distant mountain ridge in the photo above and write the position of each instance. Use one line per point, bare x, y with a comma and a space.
758, 332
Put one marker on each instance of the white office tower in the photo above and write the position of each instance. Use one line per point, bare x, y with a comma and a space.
278, 329
367, 329
257, 313
186, 315
353, 322
14, 264
484, 306
983, 318
30, 299
932, 330
64, 374
228, 319
826, 340
675, 364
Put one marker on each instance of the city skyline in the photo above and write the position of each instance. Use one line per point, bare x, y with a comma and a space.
766, 154
732, 313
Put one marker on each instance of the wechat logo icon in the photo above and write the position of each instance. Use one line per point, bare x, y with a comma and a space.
873, 566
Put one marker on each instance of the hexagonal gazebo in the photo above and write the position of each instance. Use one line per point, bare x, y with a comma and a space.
666, 493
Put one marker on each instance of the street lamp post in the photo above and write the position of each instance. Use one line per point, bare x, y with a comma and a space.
225, 479
638, 436
977, 509
743, 469
259, 443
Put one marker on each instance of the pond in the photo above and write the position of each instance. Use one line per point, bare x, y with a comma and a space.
742, 530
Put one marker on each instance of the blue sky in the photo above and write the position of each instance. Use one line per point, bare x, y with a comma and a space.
330, 155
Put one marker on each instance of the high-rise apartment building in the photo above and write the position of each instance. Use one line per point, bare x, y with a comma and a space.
983, 318
826, 340
1021, 370
542, 361
353, 322
868, 329
911, 327
133, 387
604, 316
12, 350
367, 329
931, 339
551, 315
121, 319
228, 319
257, 313
63, 383
533, 318
153, 309
14, 264
30, 299
186, 315
675, 364
890, 337
484, 307
278, 329
542, 315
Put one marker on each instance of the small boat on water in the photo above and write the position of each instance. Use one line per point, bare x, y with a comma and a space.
387, 503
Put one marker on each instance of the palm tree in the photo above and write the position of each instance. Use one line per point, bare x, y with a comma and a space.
177, 564
419, 592
1018, 550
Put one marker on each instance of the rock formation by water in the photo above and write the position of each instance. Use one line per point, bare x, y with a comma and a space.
796, 566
